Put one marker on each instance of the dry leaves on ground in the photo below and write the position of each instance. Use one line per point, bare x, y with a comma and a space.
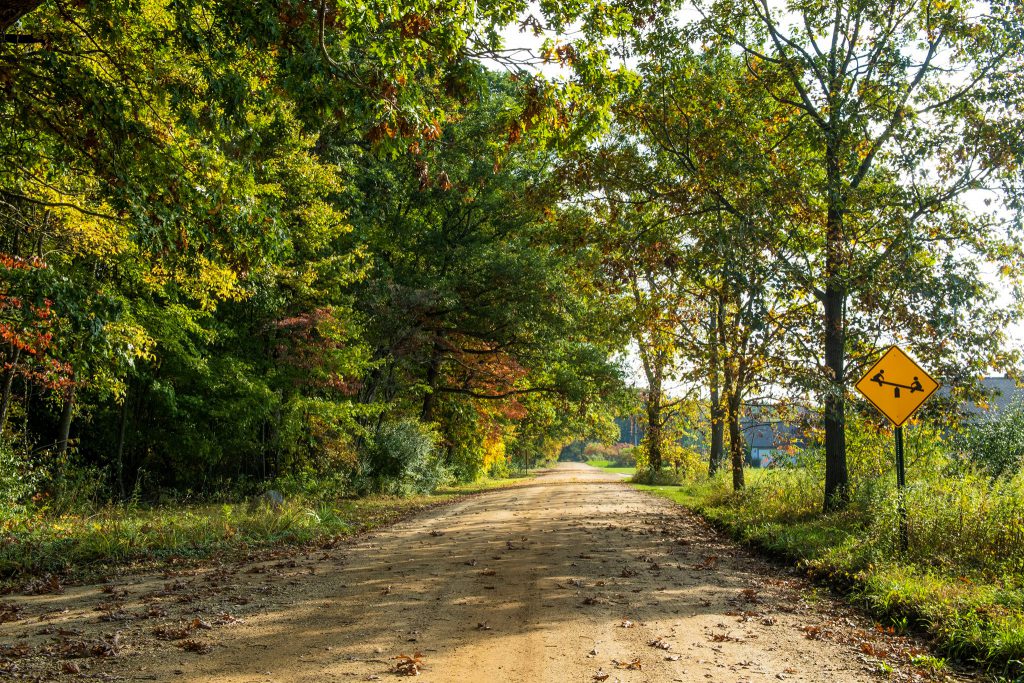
661, 644
632, 665
409, 665
196, 646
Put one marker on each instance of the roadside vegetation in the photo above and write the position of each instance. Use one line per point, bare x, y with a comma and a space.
77, 540
619, 457
962, 578
322, 253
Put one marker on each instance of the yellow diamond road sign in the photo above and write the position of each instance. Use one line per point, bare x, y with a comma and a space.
896, 385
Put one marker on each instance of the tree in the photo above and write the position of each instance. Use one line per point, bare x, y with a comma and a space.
470, 299
186, 173
705, 140
872, 99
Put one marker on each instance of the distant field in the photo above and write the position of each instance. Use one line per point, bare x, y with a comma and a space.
606, 465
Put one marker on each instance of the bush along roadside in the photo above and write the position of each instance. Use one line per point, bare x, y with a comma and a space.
87, 545
961, 582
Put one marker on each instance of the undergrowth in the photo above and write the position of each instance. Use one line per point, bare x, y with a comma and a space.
88, 543
961, 581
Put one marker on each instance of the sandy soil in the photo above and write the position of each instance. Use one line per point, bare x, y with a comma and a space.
572, 577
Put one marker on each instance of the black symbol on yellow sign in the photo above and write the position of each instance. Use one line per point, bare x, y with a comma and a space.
896, 385
879, 379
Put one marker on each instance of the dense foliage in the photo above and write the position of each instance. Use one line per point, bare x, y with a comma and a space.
356, 248
373, 247
242, 243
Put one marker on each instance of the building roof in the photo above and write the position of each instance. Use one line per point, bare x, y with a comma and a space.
1001, 391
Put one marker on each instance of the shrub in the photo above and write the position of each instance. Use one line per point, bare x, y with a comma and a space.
402, 459
74, 486
996, 445
18, 479
626, 457
684, 461
663, 478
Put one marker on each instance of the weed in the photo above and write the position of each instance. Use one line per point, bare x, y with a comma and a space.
91, 542
962, 579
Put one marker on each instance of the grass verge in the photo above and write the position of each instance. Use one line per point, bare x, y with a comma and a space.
973, 610
120, 538
609, 466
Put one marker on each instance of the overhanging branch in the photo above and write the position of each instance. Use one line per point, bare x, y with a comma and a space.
498, 396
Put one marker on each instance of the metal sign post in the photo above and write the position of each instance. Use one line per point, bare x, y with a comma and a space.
881, 385
901, 501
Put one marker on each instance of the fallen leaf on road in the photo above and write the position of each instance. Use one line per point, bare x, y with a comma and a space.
196, 646
170, 633
409, 666
633, 664
660, 644
9, 613
44, 585
601, 676
709, 562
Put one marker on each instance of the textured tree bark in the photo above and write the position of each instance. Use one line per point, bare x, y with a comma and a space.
5, 399
836, 474
736, 446
717, 432
717, 414
735, 438
64, 430
654, 434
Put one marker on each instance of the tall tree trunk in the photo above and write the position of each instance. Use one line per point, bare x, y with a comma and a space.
836, 474
8, 383
736, 440
717, 433
717, 416
433, 369
654, 434
123, 430
733, 403
64, 430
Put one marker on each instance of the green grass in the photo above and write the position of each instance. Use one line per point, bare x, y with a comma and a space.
117, 538
608, 466
961, 582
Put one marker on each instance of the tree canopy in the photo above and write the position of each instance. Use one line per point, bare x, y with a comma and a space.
373, 242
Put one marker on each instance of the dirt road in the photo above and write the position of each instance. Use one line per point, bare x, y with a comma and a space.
572, 577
